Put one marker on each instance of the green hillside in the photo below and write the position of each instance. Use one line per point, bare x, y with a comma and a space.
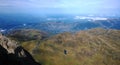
90, 47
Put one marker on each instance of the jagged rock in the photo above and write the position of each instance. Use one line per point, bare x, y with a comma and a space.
13, 54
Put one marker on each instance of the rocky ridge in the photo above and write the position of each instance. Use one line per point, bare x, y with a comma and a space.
11, 53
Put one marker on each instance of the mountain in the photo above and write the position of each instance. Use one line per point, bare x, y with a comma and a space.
89, 47
56, 25
11, 53
27, 34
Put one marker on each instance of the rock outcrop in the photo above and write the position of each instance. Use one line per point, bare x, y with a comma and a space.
13, 54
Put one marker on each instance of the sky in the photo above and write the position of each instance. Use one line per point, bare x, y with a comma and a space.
60, 6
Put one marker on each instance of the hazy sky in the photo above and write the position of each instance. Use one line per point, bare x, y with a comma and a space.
60, 6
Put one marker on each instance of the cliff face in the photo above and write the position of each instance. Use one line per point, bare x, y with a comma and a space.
13, 54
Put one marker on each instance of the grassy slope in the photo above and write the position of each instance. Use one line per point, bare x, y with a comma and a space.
91, 47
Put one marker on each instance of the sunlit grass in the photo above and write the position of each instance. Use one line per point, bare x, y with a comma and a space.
92, 47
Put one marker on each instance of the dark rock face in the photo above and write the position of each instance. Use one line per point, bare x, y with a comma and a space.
13, 54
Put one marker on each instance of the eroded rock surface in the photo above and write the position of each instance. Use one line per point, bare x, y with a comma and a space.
13, 54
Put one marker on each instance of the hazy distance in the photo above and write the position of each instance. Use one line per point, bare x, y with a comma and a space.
106, 7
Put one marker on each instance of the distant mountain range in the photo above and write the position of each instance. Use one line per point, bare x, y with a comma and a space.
55, 25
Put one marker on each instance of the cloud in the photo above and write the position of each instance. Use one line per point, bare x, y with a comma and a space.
29, 3
66, 5
59, 3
